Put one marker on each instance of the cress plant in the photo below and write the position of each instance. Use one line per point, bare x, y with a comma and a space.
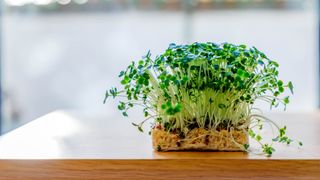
204, 85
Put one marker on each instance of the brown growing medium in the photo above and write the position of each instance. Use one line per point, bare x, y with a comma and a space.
199, 139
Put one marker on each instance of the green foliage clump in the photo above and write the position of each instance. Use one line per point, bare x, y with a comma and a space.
203, 85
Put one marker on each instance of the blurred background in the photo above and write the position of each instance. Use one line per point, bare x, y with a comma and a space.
63, 54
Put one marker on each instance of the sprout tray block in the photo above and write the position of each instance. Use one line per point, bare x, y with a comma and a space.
199, 139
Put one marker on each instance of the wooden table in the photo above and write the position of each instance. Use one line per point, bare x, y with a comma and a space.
64, 145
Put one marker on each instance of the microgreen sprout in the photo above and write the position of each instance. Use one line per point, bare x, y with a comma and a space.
204, 85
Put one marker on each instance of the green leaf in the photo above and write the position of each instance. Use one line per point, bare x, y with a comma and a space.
286, 100
140, 129
222, 106
125, 80
246, 146
282, 131
290, 85
281, 89
242, 46
106, 97
172, 46
240, 72
122, 73
288, 141
268, 149
113, 92
121, 106
251, 133
246, 75
178, 107
125, 114
260, 62
275, 63
138, 126
258, 138
169, 104
140, 80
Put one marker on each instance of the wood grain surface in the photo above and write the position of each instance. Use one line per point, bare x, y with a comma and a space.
63, 145
160, 169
